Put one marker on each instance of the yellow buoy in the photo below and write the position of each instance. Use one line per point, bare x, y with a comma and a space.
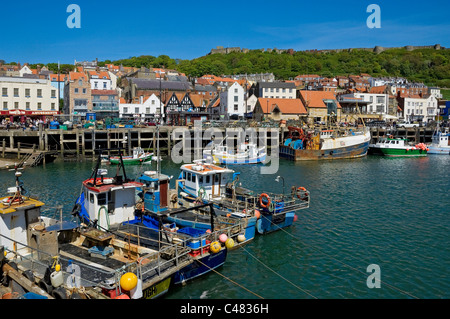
229, 243
128, 281
58, 267
215, 247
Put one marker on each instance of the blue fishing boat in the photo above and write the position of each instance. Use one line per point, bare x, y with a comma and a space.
160, 200
210, 183
109, 203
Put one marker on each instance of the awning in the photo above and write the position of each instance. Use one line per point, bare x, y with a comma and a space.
18, 112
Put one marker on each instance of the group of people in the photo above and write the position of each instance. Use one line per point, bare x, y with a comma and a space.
32, 124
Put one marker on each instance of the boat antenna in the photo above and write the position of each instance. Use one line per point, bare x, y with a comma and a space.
158, 167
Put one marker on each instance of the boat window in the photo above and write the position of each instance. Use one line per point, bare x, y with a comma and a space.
110, 197
216, 178
208, 179
184, 175
91, 198
193, 178
189, 177
200, 179
101, 199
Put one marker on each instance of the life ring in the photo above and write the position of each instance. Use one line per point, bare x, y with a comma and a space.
302, 193
391, 136
261, 201
202, 192
8, 200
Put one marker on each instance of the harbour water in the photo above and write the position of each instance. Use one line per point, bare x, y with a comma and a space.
392, 212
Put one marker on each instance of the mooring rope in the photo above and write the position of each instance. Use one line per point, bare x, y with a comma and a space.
234, 282
353, 268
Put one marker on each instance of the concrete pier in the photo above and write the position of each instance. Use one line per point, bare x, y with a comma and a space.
80, 144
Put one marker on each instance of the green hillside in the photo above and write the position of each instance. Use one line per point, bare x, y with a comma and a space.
423, 65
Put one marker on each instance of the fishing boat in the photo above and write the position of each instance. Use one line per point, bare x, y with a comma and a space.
161, 201
110, 203
245, 153
398, 147
139, 156
326, 144
59, 259
440, 142
205, 181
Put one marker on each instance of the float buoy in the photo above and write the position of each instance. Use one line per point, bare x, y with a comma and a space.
128, 281
215, 247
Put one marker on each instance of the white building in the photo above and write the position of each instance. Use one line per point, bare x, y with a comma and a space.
145, 109
100, 80
376, 103
25, 96
25, 70
276, 90
435, 91
420, 109
232, 101
251, 103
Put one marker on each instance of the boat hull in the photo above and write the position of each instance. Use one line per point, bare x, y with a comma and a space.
131, 161
218, 159
397, 152
438, 150
269, 223
353, 151
200, 267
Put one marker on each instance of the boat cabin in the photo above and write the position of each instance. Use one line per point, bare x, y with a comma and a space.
441, 138
204, 179
155, 191
391, 142
19, 215
109, 200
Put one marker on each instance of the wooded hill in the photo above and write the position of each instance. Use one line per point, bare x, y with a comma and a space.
429, 66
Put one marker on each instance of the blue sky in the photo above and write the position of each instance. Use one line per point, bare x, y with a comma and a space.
36, 31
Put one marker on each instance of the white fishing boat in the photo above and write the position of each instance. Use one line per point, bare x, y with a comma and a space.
440, 142
246, 153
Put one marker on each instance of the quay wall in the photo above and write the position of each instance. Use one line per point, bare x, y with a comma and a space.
80, 144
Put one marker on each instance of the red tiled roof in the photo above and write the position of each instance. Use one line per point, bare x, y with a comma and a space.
286, 106
315, 98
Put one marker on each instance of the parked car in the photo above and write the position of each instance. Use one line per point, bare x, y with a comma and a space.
407, 124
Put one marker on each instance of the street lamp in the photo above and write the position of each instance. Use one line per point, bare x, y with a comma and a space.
278, 180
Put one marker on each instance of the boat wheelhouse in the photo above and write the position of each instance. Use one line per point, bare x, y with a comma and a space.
440, 142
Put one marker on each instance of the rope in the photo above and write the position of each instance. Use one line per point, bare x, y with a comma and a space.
232, 281
299, 288
346, 265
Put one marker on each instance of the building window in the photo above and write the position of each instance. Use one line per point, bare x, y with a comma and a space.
27, 105
125, 110
53, 106
5, 105
104, 85
235, 107
76, 90
53, 93
4, 91
84, 91
147, 110
39, 92
95, 84
39, 106
136, 110
16, 105
16, 92
236, 98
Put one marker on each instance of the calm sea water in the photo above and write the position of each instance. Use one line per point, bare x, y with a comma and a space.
374, 210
